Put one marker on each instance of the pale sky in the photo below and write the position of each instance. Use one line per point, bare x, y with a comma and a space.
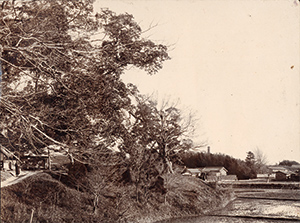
234, 62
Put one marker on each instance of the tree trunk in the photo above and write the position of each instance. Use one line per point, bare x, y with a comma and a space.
49, 160
95, 208
169, 166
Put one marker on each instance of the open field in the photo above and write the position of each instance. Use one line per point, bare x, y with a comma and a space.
257, 205
274, 194
260, 185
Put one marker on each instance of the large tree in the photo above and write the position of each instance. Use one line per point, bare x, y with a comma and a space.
260, 161
61, 69
162, 129
251, 163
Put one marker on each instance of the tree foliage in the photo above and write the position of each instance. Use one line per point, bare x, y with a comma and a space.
288, 163
61, 73
250, 159
251, 163
61, 85
162, 129
62, 67
260, 161
234, 166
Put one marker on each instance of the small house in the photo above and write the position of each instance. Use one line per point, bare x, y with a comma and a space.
263, 176
276, 168
34, 162
283, 175
214, 171
266, 176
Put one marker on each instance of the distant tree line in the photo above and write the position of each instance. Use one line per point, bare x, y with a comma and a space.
288, 163
234, 166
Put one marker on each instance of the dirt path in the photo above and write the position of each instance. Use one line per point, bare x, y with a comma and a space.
13, 179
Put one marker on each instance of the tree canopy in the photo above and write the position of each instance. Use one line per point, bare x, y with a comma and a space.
61, 68
288, 163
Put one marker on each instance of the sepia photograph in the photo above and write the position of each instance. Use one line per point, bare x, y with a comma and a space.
149, 111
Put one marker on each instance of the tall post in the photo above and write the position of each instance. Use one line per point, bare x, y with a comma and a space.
49, 161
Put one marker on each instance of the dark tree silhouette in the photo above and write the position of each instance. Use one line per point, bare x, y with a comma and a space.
288, 163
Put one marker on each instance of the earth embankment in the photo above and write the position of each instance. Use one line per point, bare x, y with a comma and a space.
46, 199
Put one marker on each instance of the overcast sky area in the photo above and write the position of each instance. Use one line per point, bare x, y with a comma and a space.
236, 63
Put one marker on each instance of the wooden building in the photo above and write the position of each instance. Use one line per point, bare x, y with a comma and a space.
34, 162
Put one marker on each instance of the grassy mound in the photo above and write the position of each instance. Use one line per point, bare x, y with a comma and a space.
52, 201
